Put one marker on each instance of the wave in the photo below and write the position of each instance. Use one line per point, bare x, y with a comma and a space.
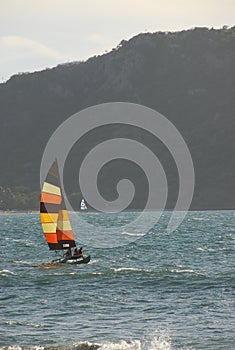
79, 346
12, 239
132, 234
206, 249
29, 243
158, 272
153, 343
200, 219
120, 269
6, 273
94, 261
22, 262
32, 325
186, 271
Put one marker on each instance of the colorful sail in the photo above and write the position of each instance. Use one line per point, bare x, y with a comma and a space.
83, 205
64, 231
53, 214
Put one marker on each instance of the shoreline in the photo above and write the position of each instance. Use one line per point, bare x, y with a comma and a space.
15, 212
12, 212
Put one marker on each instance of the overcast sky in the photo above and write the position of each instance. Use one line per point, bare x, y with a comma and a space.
36, 34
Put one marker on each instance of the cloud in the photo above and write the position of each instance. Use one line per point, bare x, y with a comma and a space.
21, 52
42, 33
25, 47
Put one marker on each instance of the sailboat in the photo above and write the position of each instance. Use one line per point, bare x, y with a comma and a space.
55, 219
83, 205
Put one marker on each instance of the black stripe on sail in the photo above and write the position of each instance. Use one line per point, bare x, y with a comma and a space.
62, 205
62, 245
49, 208
53, 175
54, 169
67, 244
55, 246
51, 179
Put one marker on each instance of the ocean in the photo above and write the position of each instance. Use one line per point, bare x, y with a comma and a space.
161, 291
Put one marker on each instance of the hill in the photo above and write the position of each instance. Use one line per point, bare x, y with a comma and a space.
188, 76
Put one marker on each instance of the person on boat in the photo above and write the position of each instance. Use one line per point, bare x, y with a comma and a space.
75, 252
68, 253
78, 252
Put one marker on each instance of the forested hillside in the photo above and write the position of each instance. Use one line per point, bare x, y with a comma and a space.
188, 76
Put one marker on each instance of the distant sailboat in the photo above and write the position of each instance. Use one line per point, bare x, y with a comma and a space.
55, 219
83, 205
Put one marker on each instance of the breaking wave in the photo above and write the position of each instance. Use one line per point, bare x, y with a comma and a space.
152, 343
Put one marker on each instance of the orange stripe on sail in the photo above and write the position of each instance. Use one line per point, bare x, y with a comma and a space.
51, 237
50, 198
65, 235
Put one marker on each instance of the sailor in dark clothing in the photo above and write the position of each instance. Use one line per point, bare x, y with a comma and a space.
68, 253
78, 252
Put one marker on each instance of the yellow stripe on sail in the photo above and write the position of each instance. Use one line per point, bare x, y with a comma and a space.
49, 227
64, 214
48, 217
64, 225
49, 188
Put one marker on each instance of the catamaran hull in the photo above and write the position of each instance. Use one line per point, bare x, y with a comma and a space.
74, 260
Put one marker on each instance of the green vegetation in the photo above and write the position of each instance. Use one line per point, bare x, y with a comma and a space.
188, 76
18, 198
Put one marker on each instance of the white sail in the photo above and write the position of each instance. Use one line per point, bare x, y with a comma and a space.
83, 205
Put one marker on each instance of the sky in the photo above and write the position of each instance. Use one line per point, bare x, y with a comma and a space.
38, 34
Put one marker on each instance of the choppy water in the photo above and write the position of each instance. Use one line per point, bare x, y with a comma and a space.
163, 291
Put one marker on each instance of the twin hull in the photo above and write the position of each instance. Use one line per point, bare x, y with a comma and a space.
74, 260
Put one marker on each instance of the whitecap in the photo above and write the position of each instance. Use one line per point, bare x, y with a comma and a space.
200, 219
12, 323
6, 272
22, 262
119, 269
132, 234
152, 343
187, 271
43, 301
33, 325
29, 243
202, 249
122, 345
93, 261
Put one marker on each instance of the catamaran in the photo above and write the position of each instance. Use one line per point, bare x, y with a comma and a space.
55, 219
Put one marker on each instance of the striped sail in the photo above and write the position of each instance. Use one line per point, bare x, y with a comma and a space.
64, 231
53, 214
